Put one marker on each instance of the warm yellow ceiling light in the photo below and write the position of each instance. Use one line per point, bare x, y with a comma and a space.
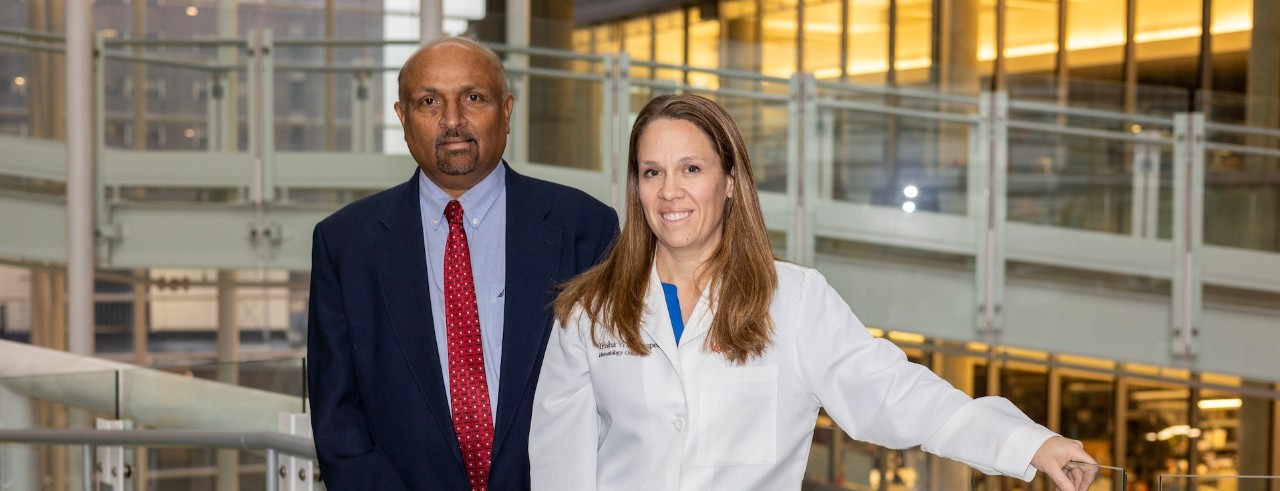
1211, 404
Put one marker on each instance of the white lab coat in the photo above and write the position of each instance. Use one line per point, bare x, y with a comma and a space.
684, 418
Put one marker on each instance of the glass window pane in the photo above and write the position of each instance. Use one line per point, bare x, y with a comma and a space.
868, 41
1095, 37
1086, 414
1031, 36
1158, 432
704, 48
822, 38
914, 43
778, 49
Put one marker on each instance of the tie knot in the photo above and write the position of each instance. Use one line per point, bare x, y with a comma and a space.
453, 212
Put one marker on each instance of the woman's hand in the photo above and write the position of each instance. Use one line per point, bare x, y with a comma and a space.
1052, 459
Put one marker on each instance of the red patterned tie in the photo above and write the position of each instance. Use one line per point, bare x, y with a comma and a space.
468, 389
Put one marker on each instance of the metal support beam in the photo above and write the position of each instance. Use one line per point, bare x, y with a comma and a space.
519, 13
1188, 232
432, 20
988, 206
80, 168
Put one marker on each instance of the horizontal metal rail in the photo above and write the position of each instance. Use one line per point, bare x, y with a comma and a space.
46, 36
1089, 113
210, 42
256, 440
346, 43
11, 43
171, 61
681, 87
1244, 149
737, 74
900, 111
1245, 130
536, 51
556, 73
899, 91
1091, 133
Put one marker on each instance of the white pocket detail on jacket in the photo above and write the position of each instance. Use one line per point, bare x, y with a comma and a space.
738, 418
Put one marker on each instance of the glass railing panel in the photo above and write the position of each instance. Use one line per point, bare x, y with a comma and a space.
762, 114
1187, 482
64, 400
55, 467
171, 97
1242, 189
331, 97
235, 396
1089, 172
35, 466
281, 376
875, 154
22, 94
565, 117
1085, 477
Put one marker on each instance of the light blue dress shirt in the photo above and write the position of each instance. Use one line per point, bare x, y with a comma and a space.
484, 215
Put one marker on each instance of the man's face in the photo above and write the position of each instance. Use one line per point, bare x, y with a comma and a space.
455, 115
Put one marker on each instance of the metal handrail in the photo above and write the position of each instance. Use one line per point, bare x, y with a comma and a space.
271, 442
251, 440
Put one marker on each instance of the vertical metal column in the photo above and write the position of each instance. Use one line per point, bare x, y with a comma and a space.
1188, 231
519, 13
990, 218
80, 171
431, 19
801, 169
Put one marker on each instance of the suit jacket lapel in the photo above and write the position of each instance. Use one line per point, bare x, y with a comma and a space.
533, 265
402, 275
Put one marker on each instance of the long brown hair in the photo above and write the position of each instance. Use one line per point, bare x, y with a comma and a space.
740, 272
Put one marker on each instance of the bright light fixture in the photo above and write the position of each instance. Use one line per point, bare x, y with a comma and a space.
19, 80
1209, 404
909, 207
910, 191
192, 11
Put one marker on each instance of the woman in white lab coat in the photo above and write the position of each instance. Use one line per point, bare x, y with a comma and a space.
690, 359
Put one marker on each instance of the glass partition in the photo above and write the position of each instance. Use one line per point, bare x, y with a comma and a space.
43, 401
896, 150
246, 396
24, 86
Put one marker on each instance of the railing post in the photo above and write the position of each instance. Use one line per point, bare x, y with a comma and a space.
295, 473
86, 467
1188, 231
272, 464
801, 167
621, 119
988, 200
1145, 203
115, 466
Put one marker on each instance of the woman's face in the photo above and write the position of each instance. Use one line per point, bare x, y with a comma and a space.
682, 188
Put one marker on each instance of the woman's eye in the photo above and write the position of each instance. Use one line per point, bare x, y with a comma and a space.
650, 173
693, 169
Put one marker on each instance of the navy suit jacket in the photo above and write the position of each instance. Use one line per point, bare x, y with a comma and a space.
379, 411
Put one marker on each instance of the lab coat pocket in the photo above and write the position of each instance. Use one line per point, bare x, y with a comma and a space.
737, 423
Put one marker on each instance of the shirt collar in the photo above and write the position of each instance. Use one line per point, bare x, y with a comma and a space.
476, 202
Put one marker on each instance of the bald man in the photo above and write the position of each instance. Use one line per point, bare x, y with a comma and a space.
429, 301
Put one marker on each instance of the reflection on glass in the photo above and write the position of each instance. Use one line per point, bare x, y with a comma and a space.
1086, 414
1159, 435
